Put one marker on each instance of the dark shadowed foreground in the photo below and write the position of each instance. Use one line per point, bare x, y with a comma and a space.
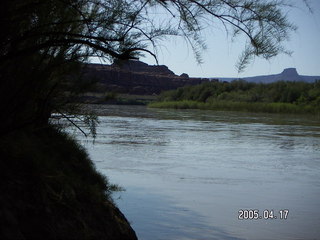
51, 190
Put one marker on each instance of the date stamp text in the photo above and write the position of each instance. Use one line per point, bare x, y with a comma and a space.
255, 214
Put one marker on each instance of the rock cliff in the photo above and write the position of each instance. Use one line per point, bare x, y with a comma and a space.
135, 77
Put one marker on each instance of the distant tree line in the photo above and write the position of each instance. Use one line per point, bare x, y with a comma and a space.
240, 91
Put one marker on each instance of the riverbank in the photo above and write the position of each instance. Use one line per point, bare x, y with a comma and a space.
239, 106
116, 98
50, 189
239, 95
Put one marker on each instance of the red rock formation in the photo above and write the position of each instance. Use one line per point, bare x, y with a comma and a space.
135, 77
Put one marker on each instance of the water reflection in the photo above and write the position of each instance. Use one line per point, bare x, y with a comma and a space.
190, 170
161, 218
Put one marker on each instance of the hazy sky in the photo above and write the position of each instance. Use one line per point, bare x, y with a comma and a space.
222, 54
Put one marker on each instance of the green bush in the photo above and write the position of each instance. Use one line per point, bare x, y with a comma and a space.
239, 95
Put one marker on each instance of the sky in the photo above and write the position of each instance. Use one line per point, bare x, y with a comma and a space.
221, 55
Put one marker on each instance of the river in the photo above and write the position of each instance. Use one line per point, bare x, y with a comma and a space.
188, 173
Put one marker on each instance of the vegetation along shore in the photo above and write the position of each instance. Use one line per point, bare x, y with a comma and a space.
239, 95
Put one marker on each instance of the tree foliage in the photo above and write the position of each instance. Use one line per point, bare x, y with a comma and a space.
43, 43
301, 93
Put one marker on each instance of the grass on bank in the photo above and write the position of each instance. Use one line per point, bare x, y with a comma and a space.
239, 106
239, 95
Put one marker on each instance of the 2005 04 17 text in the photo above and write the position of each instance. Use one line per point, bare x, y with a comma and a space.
255, 214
